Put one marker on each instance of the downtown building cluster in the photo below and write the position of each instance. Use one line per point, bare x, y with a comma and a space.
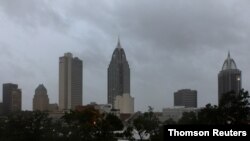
71, 88
185, 100
119, 99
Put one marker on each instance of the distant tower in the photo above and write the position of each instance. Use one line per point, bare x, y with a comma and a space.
70, 82
229, 78
12, 98
118, 75
185, 97
41, 99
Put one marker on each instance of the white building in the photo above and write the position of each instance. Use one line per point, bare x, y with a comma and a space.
175, 113
125, 103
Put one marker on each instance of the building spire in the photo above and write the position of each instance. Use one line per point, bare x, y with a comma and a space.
118, 43
228, 56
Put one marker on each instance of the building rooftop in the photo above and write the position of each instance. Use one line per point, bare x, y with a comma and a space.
41, 88
229, 63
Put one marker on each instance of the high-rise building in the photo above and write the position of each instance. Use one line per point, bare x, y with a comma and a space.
70, 82
12, 98
229, 78
118, 74
41, 99
186, 98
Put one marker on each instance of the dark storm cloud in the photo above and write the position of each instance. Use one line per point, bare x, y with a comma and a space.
32, 13
182, 24
170, 44
181, 44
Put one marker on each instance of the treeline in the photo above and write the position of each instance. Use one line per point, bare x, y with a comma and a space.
89, 125
85, 125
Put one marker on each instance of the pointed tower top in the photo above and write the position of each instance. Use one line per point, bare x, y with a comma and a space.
229, 63
228, 56
118, 43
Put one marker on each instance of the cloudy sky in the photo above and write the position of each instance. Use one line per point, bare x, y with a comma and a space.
170, 45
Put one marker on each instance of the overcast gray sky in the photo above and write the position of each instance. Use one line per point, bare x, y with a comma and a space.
170, 45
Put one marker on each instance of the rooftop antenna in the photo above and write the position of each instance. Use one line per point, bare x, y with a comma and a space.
118, 44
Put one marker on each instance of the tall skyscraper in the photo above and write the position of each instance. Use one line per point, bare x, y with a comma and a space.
12, 98
70, 82
185, 97
41, 99
118, 74
229, 78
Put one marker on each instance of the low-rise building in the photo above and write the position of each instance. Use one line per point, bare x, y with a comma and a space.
175, 113
125, 103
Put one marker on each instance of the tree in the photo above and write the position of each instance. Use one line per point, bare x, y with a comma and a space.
233, 109
114, 122
81, 124
147, 124
188, 118
89, 125
26, 126
209, 115
169, 121
128, 133
107, 126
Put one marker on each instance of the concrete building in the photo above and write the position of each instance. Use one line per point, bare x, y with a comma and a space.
41, 99
175, 113
53, 107
12, 98
118, 75
229, 78
125, 103
70, 82
186, 98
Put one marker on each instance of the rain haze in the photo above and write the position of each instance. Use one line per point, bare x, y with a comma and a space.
169, 44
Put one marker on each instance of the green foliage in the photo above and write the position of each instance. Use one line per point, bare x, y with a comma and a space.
89, 125
86, 124
26, 126
169, 121
146, 124
233, 109
188, 118
107, 126
114, 122
209, 115
128, 133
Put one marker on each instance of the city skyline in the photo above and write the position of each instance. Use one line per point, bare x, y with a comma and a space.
168, 44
